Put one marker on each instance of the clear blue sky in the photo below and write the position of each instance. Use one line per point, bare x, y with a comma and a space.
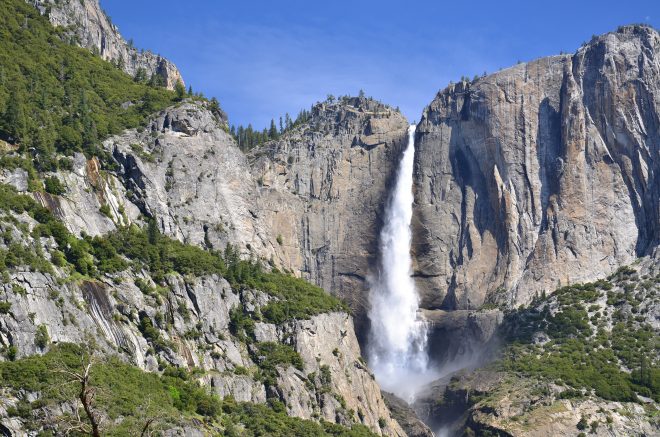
264, 58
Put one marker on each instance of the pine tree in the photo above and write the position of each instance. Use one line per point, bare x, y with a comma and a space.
272, 132
153, 234
179, 90
249, 137
140, 75
15, 118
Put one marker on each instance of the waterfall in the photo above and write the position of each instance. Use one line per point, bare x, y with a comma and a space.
397, 339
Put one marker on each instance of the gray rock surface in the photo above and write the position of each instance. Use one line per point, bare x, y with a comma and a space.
311, 201
323, 187
110, 313
460, 337
406, 417
540, 175
17, 178
185, 170
90, 27
88, 188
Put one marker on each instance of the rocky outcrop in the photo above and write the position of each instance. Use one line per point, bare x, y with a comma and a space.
193, 319
309, 202
406, 417
90, 27
460, 338
322, 190
540, 175
501, 404
509, 400
328, 347
185, 170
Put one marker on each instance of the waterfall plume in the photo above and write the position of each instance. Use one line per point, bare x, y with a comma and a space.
397, 339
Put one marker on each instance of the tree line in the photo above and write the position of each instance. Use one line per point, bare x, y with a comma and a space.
249, 138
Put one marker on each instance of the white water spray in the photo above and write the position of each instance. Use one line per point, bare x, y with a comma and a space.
397, 343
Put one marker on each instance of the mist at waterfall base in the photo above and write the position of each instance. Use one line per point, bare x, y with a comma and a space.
398, 337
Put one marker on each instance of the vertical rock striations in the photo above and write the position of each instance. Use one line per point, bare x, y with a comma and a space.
90, 27
323, 186
543, 174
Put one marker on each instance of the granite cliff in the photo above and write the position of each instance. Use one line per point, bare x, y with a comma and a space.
322, 189
539, 175
89, 26
536, 177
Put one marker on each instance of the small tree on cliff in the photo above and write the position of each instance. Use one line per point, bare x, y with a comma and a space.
179, 90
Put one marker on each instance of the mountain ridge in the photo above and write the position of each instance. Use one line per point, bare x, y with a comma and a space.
87, 24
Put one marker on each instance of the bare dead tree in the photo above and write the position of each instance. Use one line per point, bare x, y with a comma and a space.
86, 395
77, 385
151, 419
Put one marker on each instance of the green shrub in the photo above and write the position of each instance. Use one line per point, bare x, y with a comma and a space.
105, 210
41, 337
5, 307
260, 420
240, 370
53, 185
11, 352
269, 356
296, 298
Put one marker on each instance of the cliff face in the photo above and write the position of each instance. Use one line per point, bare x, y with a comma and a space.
322, 191
90, 27
193, 319
185, 170
539, 175
310, 202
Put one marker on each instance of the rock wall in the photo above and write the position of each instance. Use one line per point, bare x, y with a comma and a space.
323, 187
310, 202
193, 318
185, 170
90, 27
540, 175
